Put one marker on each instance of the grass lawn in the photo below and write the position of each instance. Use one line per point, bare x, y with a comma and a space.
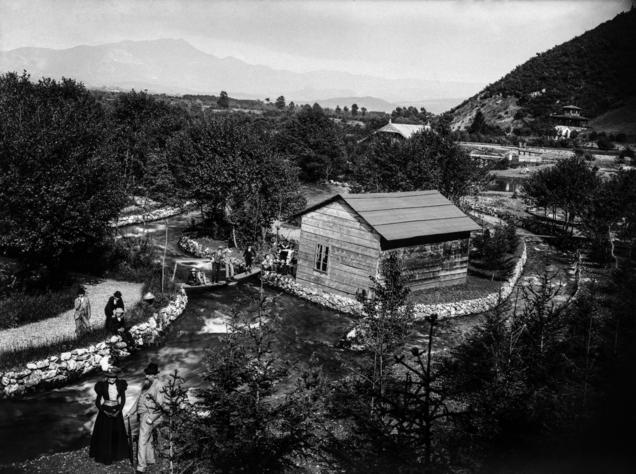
475, 287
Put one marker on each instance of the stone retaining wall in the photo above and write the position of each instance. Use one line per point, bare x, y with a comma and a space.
444, 310
67, 366
157, 214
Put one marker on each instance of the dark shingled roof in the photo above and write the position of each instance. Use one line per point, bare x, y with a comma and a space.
406, 215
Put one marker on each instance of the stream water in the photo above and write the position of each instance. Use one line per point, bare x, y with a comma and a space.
61, 419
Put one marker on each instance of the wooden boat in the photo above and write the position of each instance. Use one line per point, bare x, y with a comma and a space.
199, 264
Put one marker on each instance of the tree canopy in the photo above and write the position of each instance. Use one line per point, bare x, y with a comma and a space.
427, 160
58, 189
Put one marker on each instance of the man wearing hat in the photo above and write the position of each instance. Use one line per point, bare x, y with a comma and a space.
148, 408
114, 301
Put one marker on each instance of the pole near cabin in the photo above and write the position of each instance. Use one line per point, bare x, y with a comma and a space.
163, 263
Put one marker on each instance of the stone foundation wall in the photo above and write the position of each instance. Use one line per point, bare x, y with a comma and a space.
62, 368
444, 310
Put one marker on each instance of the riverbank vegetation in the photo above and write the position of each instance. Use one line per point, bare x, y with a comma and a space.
538, 384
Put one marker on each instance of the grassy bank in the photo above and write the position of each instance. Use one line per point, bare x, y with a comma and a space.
22, 308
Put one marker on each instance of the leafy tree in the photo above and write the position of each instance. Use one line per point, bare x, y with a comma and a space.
224, 100
354, 109
58, 189
609, 212
338, 110
280, 103
479, 123
388, 317
313, 141
424, 161
139, 127
231, 170
564, 186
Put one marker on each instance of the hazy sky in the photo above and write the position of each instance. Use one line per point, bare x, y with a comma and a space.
447, 40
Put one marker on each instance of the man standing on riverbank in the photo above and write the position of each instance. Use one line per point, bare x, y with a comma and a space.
82, 313
147, 408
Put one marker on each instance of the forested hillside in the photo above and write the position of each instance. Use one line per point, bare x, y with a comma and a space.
594, 71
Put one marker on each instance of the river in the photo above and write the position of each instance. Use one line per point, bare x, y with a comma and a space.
61, 419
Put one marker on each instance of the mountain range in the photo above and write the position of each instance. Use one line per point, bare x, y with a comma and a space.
176, 67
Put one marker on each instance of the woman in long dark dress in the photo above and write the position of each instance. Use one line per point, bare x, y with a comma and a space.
109, 442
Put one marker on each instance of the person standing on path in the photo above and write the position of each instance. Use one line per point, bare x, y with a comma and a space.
148, 408
114, 301
109, 441
82, 313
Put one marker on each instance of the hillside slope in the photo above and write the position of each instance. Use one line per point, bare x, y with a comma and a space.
595, 71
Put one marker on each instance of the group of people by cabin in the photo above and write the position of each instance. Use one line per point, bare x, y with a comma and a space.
116, 436
282, 259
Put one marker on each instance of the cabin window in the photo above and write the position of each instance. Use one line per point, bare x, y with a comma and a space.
322, 258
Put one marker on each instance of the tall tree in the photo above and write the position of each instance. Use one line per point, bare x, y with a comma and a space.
244, 420
280, 102
231, 170
313, 141
58, 189
424, 161
224, 100
354, 109
139, 128
479, 123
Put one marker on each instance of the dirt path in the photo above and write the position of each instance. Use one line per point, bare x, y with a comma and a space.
62, 327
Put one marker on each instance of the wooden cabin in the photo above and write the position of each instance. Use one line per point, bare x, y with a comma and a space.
344, 238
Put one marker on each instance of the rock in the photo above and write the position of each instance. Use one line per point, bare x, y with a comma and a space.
65, 355
42, 364
121, 345
49, 374
114, 339
31, 366
101, 345
5, 381
34, 379
14, 389
54, 359
71, 365
80, 351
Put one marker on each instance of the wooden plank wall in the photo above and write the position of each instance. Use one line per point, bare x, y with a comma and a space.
354, 250
435, 265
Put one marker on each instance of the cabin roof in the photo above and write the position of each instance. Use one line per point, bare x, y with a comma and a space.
405, 215
404, 129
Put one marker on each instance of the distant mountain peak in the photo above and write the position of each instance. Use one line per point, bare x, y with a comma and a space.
173, 65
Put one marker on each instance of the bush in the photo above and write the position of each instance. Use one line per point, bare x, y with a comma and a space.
493, 247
